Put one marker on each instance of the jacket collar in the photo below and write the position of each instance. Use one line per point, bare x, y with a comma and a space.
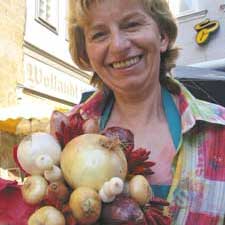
192, 110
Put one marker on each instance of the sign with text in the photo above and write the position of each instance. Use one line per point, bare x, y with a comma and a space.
48, 80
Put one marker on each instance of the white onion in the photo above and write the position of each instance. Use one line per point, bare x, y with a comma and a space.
104, 197
92, 159
106, 189
44, 162
34, 145
116, 185
33, 189
47, 215
54, 174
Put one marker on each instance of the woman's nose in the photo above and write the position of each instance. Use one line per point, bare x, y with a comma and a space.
119, 42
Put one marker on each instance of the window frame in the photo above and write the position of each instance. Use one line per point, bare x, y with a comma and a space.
54, 27
174, 5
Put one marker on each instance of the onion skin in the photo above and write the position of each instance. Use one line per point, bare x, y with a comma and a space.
34, 188
57, 194
44, 162
85, 205
124, 135
88, 161
140, 189
91, 126
104, 197
47, 215
55, 122
70, 220
54, 174
123, 210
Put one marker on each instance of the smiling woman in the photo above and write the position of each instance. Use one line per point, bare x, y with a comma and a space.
125, 51
129, 47
79, 18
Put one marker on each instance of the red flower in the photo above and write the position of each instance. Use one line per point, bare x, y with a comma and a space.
154, 212
70, 130
138, 162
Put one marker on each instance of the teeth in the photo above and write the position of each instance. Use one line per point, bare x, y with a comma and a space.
126, 63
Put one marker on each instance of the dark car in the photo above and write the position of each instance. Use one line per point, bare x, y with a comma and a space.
206, 84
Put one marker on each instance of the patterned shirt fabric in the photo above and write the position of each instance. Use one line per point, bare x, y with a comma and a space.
197, 193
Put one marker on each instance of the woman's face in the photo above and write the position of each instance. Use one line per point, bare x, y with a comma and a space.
123, 44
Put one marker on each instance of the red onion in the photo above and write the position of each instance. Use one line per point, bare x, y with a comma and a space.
123, 210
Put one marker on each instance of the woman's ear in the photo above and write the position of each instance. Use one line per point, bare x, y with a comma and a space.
164, 39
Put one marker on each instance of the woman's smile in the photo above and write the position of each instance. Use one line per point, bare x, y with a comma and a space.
123, 64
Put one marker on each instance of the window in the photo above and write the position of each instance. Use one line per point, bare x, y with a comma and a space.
182, 7
47, 13
66, 20
186, 5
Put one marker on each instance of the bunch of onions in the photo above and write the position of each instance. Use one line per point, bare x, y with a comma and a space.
89, 160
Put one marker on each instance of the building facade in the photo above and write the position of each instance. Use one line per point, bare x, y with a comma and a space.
35, 61
201, 33
201, 37
36, 70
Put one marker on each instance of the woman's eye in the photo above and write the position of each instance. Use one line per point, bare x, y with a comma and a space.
131, 25
97, 35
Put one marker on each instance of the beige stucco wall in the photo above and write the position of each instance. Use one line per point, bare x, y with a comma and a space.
12, 21
21, 36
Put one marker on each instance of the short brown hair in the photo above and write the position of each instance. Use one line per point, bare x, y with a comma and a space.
157, 9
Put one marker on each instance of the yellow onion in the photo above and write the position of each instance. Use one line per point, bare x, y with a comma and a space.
140, 190
91, 159
86, 205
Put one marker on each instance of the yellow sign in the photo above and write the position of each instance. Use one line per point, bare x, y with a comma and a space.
205, 29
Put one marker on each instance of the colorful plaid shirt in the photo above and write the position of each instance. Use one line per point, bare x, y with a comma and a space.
197, 193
